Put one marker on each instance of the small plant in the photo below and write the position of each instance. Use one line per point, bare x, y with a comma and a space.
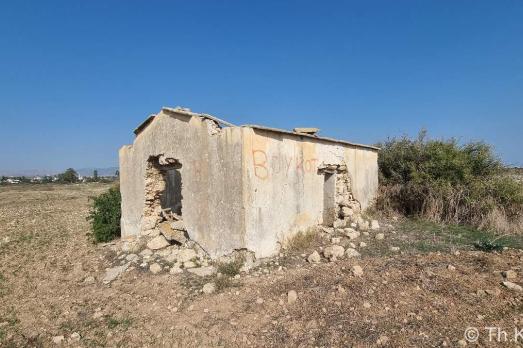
230, 269
105, 216
223, 282
488, 245
113, 323
302, 240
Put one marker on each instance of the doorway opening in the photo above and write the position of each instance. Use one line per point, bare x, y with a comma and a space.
339, 205
163, 190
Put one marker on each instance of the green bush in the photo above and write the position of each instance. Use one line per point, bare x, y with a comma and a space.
105, 216
444, 181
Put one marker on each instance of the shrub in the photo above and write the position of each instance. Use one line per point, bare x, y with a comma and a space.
444, 181
105, 216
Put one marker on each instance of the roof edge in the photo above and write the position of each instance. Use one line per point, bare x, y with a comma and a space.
331, 140
190, 113
144, 124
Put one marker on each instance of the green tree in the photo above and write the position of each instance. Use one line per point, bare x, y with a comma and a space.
70, 176
95, 175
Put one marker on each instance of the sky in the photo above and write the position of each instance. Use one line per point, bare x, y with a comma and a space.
76, 77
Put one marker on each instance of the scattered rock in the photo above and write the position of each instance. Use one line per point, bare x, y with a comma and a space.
203, 271
366, 305
113, 273
339, 223
259, 300
380, 236
510, 274
146, 253
394, 249
209, 288
176, 269
363, 225
451, 268
494, 292
178, 225
75, 337
328, 230
462, 343
58, 339
333, 252
335, 240
352, 253
512, 286
374, 225
173, 234
363, 244
185, 255
89, 280
292, 296
382, 340
189, 264
155, 268
347, 212
357, 270
352, 233
158, 242
314, 257
131, 257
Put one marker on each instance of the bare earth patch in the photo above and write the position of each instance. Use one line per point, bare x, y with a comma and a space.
51, 286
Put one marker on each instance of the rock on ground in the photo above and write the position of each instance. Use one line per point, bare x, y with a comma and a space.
374, 225
352, 233
292, 296
203, 271
510, 274
155, 268
58, 339
314, 257
185, 255
209, 288
158, 242
380, 236
172, 234
351, 252
357, 270
512, 286
113, 273
333, 252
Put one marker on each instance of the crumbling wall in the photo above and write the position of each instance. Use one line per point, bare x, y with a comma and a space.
344, 207
285, 191
211, 175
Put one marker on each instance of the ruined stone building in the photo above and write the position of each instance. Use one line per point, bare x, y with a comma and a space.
232, 187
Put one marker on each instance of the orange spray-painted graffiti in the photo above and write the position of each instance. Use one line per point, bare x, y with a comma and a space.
264, 166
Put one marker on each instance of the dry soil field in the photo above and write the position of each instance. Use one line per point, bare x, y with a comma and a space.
424, 295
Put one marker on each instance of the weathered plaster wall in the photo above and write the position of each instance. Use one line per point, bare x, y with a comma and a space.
211, 178
283, 192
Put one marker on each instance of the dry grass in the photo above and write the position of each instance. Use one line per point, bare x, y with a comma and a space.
302, 240
415, 300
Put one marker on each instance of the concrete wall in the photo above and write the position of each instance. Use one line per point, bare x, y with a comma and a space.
211, 178
283, 191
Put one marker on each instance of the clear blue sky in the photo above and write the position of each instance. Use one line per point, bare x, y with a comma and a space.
76, 77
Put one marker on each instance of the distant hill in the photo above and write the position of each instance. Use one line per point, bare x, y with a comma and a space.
109, 171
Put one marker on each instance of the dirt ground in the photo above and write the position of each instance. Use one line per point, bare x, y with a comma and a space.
50, 285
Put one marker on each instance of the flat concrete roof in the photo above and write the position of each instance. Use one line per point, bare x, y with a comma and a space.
186, 112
